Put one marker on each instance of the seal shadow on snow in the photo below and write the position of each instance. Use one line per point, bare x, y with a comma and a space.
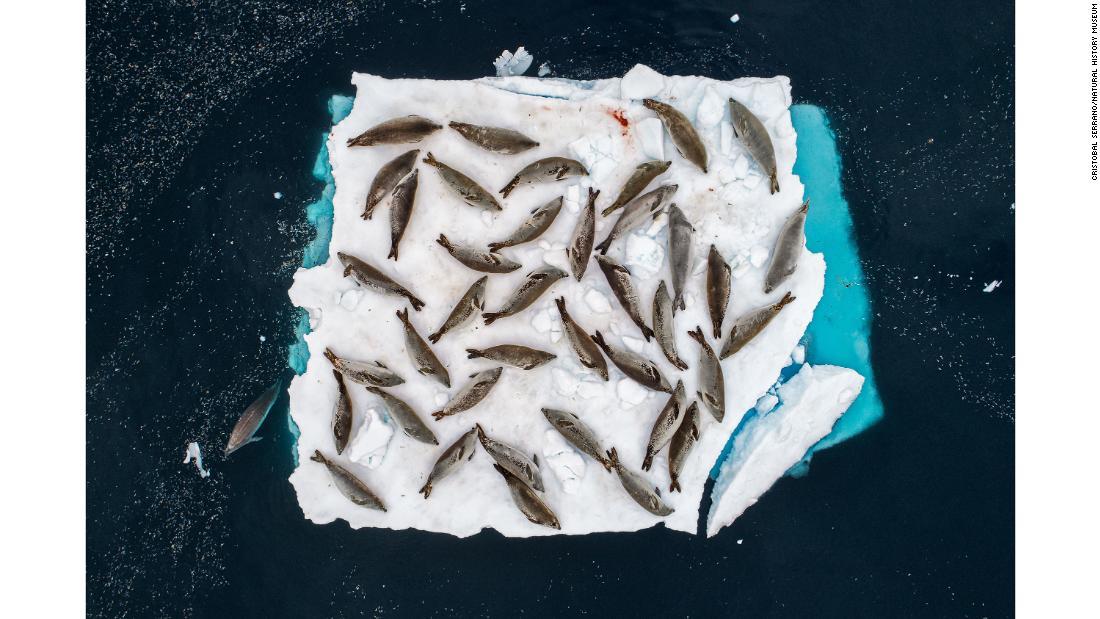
839, 333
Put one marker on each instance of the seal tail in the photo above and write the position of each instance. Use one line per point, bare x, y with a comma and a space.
416, 303
678, 302
674, 486
495, 247
647, 332
507, 189
491, 317
317, 457
697, 335
444, 241
786, 300
775, 184
598, 338
648, 461
368, 210
431, 160
426, 490
435, 337
475, 354
560, 302
438, 415
605, 245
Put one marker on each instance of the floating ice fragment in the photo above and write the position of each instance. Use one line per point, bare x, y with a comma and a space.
314, 317
734, 19
513, 64
641, 82
799, 354
544, 69
991, 286
652, 136
596, 302
371, 442
263, 338
630, 393
758, 255
278, 195
194, 453
566, 464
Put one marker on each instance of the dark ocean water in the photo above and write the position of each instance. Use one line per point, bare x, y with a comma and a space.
198, 115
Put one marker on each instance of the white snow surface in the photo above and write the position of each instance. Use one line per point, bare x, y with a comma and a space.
557, 113
772, 443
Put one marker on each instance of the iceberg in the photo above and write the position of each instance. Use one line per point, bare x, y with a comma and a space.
559, 113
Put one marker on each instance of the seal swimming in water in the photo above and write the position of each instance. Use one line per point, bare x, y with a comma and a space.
253, 417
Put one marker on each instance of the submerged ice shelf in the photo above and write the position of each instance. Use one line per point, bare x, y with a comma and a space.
574, 490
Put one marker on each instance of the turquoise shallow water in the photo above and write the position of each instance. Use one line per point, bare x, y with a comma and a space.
839, 333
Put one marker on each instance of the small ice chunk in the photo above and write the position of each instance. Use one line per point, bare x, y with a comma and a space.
557, 258
566, 383
544, 69
740, 266
799, 354
278, 195
487, 219
263, 338
641, 82
766, 403
758, 255
711, 108
726, 138
194, 453
596, 301
589, 389
566, 464
630, 393
741, 167
573, 198
513, 64
555, 335
652, 136
634, 344
991, 286
369, 445
314, 317
542, 321
733, 20
752, 180
726, 175
655, 228
350, 299
644, 255
597, 152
